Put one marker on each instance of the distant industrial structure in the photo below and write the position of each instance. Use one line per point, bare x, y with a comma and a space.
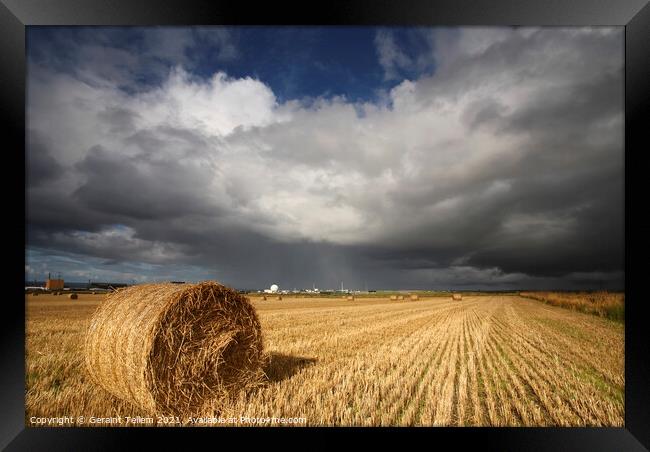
54, 284
58, 285
273, 289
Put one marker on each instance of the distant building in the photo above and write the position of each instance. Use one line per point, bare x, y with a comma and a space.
54, 284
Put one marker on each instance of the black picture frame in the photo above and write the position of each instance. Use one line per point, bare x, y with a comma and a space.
634, 15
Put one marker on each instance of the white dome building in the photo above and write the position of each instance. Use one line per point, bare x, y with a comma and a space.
274, 288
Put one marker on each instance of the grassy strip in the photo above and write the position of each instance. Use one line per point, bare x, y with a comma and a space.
610, 305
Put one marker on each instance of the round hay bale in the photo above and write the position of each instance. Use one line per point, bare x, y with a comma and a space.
94, 293
172, 347
343, 297
400, 297
456, 296
73, 296
393, 297
279, 297
414, 297
35, 294
350, 297
264, 297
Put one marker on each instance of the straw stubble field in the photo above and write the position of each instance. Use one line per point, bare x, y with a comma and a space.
481, 361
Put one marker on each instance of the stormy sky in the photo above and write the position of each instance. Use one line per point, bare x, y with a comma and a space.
383, 158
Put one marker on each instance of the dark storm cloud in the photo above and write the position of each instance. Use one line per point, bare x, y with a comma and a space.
42, 167
501, 169
544, 224
570, 109
140, 189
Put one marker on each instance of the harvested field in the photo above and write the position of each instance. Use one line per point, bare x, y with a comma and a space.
488, 361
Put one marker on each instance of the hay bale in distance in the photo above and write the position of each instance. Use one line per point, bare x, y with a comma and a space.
73, 296
414, 297
350, 297
400, 297
263, 298
35, 294
279, 297
169, 348
456, 296
393, 297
